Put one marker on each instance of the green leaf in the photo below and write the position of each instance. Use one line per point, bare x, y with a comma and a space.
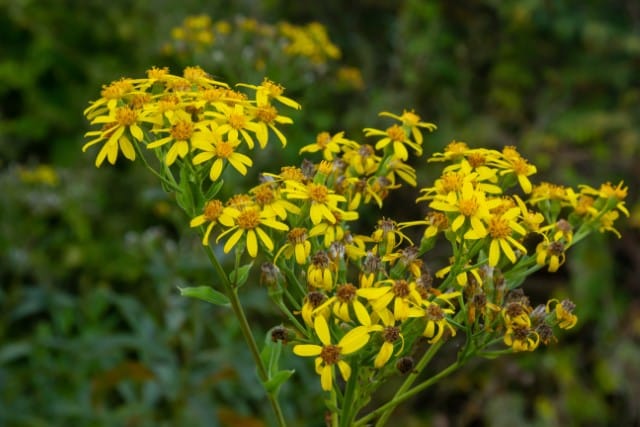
213, 190
205, 293
239, 277
272, 385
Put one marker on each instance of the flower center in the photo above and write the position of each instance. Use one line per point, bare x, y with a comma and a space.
316, 298
249, 219
391, 334
266, 113
125, 116
434, 312
468, 207
499, 228
116, 90
452, 181
182, 130
396, 133
410, 118
330, 354
476, 159
237, 120
318, 193
346, 293
323, 139
401, 288
264, 195
224, 149
297, 235
213, 210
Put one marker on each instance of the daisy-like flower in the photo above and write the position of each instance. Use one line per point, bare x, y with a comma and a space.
180, 134
297, 244
322, 199
333, 232
248, 223
391, 334
329, 355
119, 123
270, 199
412, 121
471, 205
235, 120
614, 195
362, 160
551, 252
320, 271
212, 146
345, 300
437, 322
329, 145
454, 151
111, 94
269, 90
404, 295
397, 137
267, 117
563, 312
213, 209
521, 338
501, 227
513, 163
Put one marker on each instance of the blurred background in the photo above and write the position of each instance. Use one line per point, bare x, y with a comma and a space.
92, 329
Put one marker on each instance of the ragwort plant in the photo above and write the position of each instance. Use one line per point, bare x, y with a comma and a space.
363, 307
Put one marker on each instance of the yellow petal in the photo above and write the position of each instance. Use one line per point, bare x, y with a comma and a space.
306, 350
322, 330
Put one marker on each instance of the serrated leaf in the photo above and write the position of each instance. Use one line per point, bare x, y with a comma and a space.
272, 385
205, 293
239, 277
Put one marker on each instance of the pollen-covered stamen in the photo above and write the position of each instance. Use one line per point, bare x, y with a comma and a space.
401, 288
248, 219
140, 99
434, 313
396, 133
266, 113
410, 118
520, 166
476, 159
315, 298
116, 90
468, 207
452, 181
213, 209
224, 149
318, 193
182, 130
391, 334
297, 235
499, 228
237, 121
330, 354
273, 89
323, 139
346, 293
126, 116
264, 195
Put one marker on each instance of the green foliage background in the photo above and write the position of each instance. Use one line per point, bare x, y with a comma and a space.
92, 329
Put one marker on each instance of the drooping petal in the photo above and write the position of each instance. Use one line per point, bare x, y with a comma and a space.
322, 330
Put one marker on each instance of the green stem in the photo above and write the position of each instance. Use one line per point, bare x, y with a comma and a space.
391, 405
236, 306
348, 403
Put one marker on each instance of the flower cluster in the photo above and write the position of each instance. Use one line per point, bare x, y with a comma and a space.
362, 302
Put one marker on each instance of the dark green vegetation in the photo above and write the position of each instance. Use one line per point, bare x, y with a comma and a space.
93, 331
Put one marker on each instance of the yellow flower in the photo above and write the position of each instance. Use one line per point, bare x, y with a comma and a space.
268, 196
563, 312
328, 355
235, 121
552, 252
330, 145
437, 322
413, 121
212, 146
269, 90
403, 294
322, 199
118, 124
397, 137
471, 205
319, 273
297, 244
343, 301
180, 134
390, 335
363, 160
614, 195
267, 117
213, 209
521, 338
501, 228
248, 223
513, 163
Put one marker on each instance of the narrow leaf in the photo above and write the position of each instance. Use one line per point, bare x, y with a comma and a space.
205, 293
